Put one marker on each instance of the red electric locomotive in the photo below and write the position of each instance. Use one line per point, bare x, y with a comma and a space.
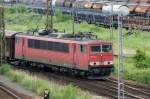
79, 55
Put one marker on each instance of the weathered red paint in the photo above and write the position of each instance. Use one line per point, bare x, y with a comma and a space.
74, 58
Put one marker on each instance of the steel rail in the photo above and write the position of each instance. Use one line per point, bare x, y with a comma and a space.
130, 89
111, 86
9, 92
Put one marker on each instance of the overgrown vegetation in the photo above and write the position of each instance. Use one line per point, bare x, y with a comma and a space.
141, 59
140, 75
39, 85
25, 21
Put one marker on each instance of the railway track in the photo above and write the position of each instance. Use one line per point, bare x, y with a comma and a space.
142, 91
106, 88
5, 93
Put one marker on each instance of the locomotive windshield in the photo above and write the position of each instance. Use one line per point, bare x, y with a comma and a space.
101, 48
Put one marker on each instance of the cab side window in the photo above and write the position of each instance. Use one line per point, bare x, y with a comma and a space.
82, 48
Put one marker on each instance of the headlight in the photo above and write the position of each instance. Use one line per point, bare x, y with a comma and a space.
108, 62
94, 63
101, 63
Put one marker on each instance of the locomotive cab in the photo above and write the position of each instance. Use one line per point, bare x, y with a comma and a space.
101, 58
101, 55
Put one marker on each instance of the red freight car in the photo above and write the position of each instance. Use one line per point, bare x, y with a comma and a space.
81, 57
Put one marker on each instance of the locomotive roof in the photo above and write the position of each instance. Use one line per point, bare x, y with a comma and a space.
65, 40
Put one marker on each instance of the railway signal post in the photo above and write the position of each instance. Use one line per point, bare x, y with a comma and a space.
2, 35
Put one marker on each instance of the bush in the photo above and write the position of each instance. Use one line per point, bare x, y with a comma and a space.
141, 60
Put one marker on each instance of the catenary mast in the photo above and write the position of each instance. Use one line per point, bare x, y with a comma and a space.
49, 20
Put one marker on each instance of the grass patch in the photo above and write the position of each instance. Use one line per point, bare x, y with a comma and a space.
38, 85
